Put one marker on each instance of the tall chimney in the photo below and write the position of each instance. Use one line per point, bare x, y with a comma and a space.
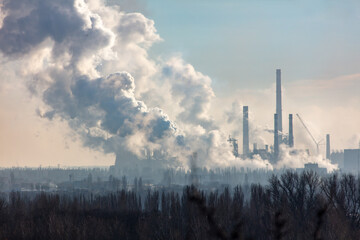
276, 138
291, 131
278, 102
327, 146
246, 131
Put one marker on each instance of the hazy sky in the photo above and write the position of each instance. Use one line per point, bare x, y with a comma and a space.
236, 45
240, 43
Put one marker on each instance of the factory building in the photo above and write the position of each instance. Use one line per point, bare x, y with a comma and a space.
148, 164
337, 157
313, 167
352, 160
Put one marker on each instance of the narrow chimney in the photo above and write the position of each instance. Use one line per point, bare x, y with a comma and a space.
327, 146
291, 131
246, 131
278, 102
276, 138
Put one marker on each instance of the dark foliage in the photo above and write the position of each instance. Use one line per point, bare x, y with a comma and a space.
291, 206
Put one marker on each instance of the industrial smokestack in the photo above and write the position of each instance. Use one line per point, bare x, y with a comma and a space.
291, 131
276, 138
246, 131
327, 146
278, 102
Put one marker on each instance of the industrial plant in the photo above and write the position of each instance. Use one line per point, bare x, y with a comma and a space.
152, 162
156, 167
272, 153
347, 160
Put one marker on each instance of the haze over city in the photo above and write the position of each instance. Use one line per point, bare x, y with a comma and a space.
83, 82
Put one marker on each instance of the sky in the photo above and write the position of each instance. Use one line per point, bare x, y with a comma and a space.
307, 39
190, 67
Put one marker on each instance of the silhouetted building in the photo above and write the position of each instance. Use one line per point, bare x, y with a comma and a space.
352, 160
337, 157
313, 167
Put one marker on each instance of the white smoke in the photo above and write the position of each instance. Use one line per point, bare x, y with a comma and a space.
75, 49
297, 159
192, 92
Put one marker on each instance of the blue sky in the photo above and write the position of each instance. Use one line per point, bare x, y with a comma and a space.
239, 44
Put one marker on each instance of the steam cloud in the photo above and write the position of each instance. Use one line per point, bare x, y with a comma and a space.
89, 64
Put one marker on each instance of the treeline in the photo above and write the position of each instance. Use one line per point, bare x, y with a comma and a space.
290, 206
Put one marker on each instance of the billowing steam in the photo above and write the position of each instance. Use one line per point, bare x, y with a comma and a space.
89, 65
